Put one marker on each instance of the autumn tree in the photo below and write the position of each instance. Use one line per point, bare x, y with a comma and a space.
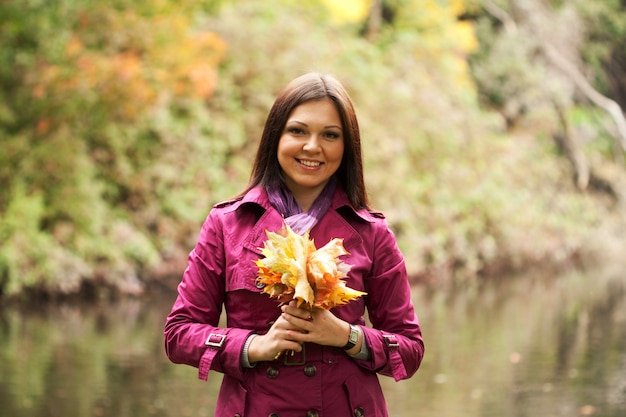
562, 59
87, 88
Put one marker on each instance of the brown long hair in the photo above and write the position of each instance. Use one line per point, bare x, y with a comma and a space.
266, 171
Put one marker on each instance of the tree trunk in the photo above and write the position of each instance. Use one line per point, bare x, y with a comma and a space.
374, 20
572, 151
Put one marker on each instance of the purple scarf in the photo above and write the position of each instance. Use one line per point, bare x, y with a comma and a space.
299, 221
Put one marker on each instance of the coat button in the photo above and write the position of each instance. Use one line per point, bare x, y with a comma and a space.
273, 415
310, 370
358, 412
272, 372
312, 413
259, 285
237, 415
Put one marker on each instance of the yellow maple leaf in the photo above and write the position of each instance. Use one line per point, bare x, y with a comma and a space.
292, 268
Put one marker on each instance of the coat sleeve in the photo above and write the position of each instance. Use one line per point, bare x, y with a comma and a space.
395, 338
192, 335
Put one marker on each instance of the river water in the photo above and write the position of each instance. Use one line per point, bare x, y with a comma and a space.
538, 346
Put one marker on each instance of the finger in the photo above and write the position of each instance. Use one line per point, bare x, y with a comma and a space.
284, 325
298, 312
298, 325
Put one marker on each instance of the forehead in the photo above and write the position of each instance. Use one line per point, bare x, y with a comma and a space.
316, 110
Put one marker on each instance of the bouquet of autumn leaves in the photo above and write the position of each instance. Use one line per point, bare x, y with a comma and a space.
293, 269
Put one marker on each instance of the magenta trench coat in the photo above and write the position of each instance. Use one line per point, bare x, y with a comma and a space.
324, 381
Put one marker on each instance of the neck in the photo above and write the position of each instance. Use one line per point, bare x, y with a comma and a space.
306, 197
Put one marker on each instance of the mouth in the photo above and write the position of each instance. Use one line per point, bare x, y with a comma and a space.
307, 163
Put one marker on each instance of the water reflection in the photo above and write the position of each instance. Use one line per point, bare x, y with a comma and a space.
525, 347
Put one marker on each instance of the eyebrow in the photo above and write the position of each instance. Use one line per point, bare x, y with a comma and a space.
304, 124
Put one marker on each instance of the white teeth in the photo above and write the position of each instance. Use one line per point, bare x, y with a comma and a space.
310, 163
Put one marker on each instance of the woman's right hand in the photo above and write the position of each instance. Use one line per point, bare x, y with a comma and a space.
267, 347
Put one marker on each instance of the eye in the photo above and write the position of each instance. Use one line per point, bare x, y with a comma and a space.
295, 130
332, 135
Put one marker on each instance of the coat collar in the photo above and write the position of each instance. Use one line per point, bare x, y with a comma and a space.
258, 196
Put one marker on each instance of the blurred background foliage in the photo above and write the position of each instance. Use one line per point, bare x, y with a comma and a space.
493, 131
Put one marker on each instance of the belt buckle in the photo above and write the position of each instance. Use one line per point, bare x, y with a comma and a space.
291, 353
391, 341
218, 344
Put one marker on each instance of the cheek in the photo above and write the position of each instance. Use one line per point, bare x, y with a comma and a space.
286, 146
337, 153
284, 153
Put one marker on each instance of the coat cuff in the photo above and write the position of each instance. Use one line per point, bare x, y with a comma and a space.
223, 353
385, 354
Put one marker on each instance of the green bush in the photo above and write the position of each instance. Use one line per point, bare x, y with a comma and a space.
122, 122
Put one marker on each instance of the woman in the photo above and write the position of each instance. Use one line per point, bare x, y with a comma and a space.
308, 173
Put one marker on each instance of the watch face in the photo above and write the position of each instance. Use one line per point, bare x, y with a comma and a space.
354, 335
353, 338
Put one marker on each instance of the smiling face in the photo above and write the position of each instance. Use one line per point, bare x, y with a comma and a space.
310, 149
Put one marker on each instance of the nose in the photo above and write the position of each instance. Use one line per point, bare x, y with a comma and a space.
312, 144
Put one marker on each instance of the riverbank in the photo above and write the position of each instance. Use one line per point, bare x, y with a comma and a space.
604, 250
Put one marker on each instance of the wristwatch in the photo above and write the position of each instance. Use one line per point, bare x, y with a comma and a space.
353, 338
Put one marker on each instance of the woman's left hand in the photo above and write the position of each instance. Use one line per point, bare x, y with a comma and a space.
317, 325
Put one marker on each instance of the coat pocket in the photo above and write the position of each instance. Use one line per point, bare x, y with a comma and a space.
365, 395
231, 400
